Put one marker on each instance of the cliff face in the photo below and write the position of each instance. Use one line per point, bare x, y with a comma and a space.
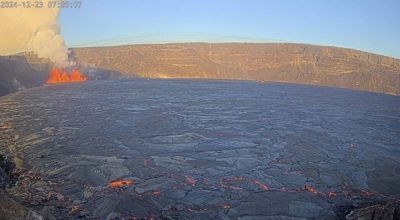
294, 63
20, 72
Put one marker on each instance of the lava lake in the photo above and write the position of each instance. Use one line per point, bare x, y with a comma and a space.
200, 149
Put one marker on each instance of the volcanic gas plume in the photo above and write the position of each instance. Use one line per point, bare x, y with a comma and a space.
61, 76
35, 30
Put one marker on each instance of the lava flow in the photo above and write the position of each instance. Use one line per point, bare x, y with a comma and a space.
120, 183
58, 76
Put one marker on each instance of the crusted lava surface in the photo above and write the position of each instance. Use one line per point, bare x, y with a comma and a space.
182, 149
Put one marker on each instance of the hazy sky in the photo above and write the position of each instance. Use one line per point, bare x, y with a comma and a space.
370, 25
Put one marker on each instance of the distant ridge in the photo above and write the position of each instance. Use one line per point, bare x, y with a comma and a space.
283, 62
280, 62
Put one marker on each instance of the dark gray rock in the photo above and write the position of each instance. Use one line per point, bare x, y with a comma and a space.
199, 150
389, 211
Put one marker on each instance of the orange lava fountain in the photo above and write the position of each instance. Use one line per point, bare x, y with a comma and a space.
58, 76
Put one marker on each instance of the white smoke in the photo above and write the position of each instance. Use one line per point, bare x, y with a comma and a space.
34, 30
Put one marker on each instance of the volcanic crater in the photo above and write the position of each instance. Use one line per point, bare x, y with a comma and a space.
185, 149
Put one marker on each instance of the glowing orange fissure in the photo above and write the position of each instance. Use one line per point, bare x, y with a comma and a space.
61, 76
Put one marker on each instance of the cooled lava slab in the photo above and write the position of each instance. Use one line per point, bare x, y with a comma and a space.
181, 149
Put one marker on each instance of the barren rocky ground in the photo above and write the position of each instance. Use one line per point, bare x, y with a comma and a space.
186, 149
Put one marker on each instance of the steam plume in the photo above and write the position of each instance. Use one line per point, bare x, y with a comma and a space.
33, 29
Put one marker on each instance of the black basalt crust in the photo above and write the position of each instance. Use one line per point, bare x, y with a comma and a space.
198, 149
8, 171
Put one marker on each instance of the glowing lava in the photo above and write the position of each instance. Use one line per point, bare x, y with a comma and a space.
260, 185
58, 76
191, 180
120, 183
310, 189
